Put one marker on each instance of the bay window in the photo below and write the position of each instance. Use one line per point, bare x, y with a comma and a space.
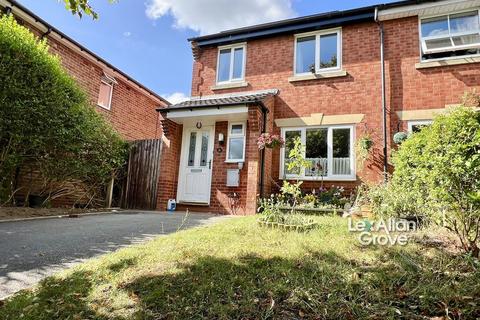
329, 151
450, 35
318, 52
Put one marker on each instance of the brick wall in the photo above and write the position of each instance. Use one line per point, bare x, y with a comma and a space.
411, 88
132, 111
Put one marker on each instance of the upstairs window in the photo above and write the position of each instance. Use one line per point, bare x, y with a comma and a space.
450, 35
106, 91
231, 64
318, 52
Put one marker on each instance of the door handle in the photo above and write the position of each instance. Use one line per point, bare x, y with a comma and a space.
210, 164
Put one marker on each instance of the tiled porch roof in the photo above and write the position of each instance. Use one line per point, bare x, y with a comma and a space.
219, 100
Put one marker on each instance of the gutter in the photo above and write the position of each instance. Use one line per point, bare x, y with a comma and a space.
384, 98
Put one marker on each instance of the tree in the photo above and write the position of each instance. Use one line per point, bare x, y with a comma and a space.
441, 166
80, 7
46, 122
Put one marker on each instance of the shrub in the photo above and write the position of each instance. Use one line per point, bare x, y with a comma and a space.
440, 168
46, 122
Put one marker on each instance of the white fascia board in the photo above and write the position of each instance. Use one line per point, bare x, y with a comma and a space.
218, 113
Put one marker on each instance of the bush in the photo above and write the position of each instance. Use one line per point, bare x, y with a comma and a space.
46, 122
438, 168
389, 200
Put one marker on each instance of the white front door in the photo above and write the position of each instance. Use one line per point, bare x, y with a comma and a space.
196, 160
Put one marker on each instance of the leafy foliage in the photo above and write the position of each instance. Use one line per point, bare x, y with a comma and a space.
46, 122
81, 7
438, 172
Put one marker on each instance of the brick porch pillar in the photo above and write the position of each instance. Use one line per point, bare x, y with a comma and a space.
170, 158
253, 159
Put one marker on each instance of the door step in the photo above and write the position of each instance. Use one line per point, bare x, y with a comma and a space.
198, 204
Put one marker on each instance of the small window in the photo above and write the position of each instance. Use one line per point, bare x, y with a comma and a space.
236, 142
450, 35
231, 64
417, 126
318, 52
328, 149
105, 95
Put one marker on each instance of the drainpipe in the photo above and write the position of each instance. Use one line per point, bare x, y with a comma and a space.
262, 156
384, 98
8, 10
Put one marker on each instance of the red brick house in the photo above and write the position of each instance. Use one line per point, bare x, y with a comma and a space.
329, 79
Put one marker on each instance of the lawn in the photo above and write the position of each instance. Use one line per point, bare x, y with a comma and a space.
238, 270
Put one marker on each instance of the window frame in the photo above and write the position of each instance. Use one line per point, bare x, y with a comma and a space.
318, 34
412, 123
329, 176
232, 51
237, 135
110, 95
449, 36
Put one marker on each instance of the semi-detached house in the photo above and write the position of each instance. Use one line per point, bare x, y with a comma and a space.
328, 79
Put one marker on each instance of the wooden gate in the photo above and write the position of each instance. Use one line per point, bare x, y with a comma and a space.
141, 183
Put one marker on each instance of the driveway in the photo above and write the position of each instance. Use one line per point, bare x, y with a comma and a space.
32, 250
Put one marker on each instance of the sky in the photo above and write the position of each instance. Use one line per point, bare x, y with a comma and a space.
147, 39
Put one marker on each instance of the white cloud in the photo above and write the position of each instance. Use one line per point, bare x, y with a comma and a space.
175, 97
127, 34
210, 16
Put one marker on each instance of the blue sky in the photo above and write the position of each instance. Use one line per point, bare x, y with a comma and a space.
148, 39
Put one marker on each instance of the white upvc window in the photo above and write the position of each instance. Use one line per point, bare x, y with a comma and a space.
236, 142
105, 95
106, 91
451, 35
231, 63
318, 52
417, 125
329, 149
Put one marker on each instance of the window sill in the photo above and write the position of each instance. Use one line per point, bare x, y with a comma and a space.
346, 179
447, 62
103, 107
326, 75
231, 85
234, 161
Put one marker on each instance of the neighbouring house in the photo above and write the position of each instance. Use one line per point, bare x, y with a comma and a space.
330, 79
127, 104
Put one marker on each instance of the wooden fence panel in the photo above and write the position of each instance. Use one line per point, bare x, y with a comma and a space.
140, 189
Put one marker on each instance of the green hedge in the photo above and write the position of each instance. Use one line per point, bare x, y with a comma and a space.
46, 121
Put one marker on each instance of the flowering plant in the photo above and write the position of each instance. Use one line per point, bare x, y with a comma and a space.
268, 140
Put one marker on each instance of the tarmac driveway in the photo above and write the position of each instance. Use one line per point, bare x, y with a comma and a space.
32, 250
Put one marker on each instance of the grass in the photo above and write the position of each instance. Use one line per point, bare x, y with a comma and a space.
239, 270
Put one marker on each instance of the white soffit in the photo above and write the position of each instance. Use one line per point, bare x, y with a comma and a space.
230, 113
428, 9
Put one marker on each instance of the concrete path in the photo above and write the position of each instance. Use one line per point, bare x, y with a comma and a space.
32, 250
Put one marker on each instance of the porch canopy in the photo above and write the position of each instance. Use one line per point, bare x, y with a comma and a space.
220, 107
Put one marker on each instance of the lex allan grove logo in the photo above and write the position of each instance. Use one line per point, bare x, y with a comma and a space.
383, 232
